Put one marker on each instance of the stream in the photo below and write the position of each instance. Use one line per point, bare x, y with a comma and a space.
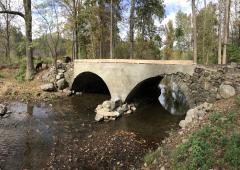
28, 136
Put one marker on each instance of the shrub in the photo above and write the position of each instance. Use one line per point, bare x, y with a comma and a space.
20, 76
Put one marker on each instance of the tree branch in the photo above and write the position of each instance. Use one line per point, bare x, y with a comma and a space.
13, 13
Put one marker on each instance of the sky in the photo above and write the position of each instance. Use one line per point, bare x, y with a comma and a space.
172, 6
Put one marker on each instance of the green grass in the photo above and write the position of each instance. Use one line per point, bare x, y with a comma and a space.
151, 156
217, 144
2, 76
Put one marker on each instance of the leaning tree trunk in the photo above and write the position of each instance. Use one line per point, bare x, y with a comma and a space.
194, 32
131, 29
29, 50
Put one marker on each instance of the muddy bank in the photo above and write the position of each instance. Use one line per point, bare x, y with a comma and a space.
101, 150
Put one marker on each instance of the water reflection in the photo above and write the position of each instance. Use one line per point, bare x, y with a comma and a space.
27, 136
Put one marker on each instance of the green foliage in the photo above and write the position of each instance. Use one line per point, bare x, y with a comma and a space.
231, 117
170, 33
1, 76
146, 49
183, 35
20, 76
215, 117
207, 36
146, 13
196, 152
233, 53
215, 145
232, 153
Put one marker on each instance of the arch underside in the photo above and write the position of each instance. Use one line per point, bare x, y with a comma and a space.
146, 90
88, 82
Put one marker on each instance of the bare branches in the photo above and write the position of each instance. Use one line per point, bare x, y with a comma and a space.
13, 13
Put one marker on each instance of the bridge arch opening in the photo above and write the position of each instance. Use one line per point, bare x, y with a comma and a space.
162, 92
88, 82
146, 91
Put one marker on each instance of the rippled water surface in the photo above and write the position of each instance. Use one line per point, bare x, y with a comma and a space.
27, 135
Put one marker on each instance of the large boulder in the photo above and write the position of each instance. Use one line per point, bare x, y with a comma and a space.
226, 91
62, 84
48, 87
3, 110
195, 114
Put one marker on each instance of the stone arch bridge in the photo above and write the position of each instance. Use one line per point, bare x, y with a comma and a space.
122, 76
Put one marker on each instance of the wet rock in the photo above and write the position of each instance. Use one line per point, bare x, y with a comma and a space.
116, 103
128, 112
3, 110
62, 84
67, 91
59, 76
107, 104
226, 91
48, 87
110, 110
122, 109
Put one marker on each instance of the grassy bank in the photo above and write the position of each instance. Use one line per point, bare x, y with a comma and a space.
213, 144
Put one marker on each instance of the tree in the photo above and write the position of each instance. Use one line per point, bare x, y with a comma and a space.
111, 32
27, 16
206, 34
131, 28
226, 30
49, 17
170, 38
183, 33
146, 13
194, 23
220, 32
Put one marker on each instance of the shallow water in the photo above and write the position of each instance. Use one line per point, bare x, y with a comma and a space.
27, 136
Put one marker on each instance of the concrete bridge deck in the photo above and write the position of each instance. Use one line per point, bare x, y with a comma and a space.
121, 76
133, 61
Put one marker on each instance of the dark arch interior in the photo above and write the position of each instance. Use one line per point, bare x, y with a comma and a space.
146, 91
88, 82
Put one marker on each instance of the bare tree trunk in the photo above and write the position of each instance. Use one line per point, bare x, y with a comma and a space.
220, 32
204, 29
226, 30
29, 50
194, 32
111, 32
28, 26
131, 29
75, 37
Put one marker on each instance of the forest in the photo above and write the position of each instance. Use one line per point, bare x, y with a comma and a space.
118, 29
